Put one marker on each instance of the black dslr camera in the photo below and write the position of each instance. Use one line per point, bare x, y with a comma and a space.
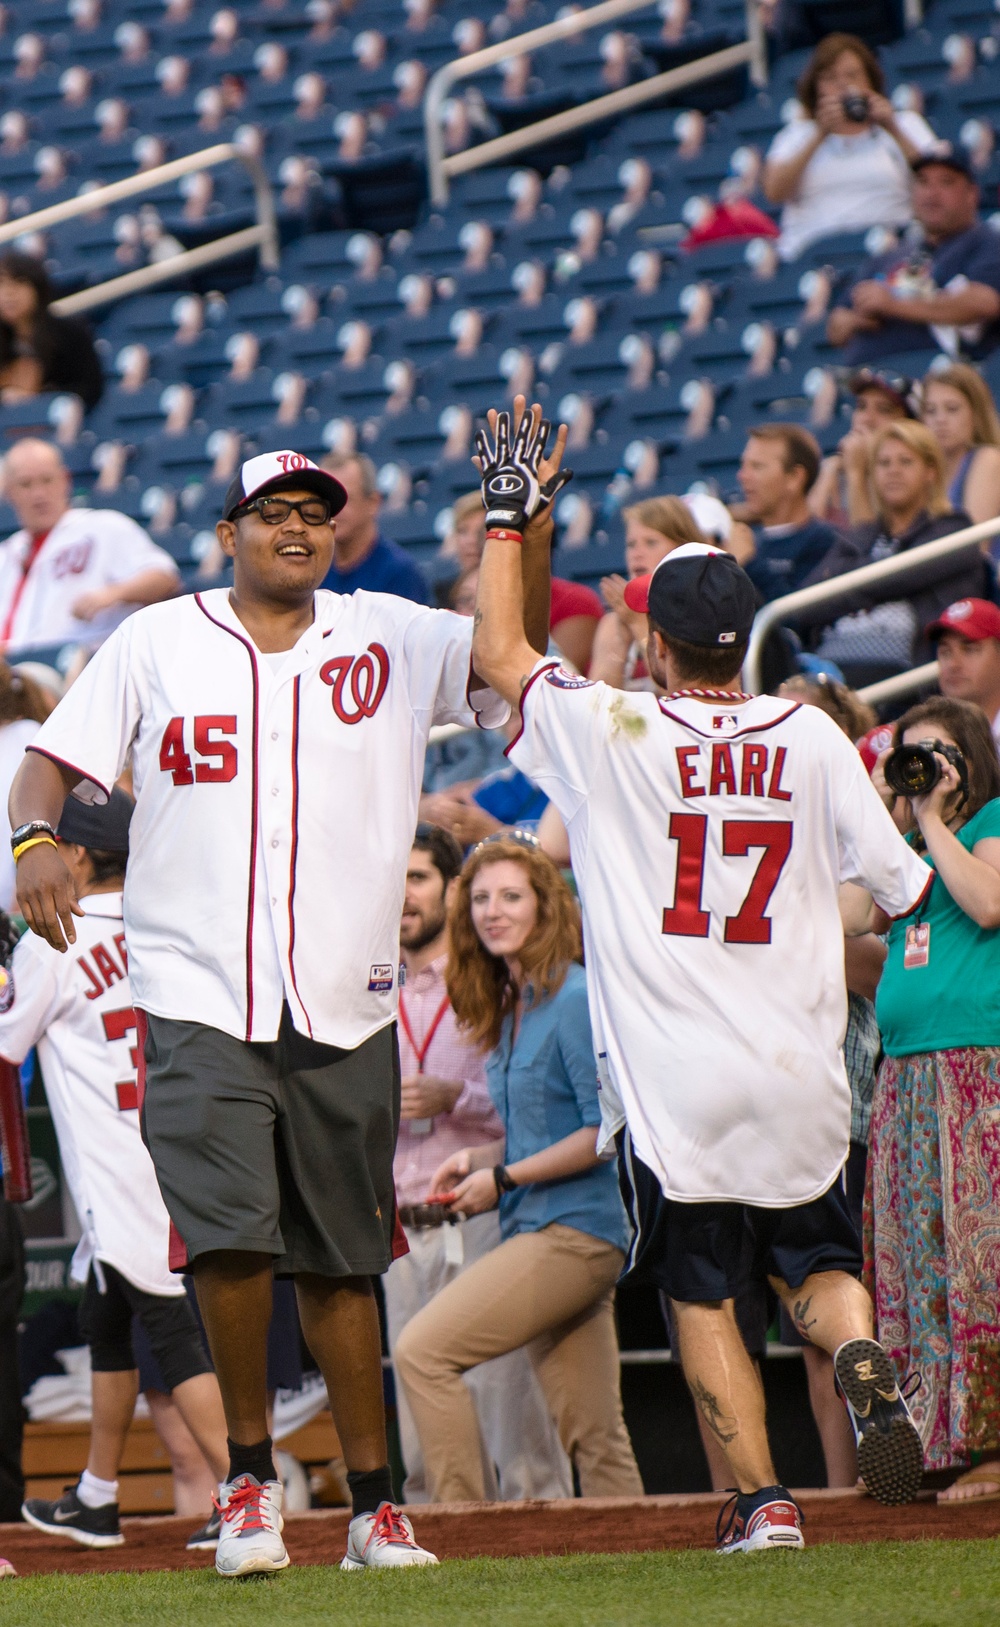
912, 771
856, 107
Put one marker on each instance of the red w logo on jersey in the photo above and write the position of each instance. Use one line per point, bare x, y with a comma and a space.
361, 679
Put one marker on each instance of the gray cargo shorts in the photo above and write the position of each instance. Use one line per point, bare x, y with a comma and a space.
282, 1148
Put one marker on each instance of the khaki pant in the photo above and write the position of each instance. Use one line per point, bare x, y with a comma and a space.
553, 1292
522, 1457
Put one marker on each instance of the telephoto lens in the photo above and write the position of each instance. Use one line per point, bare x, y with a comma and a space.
855, 108
912, 771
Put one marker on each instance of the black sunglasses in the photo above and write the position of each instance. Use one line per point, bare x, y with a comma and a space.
275, 510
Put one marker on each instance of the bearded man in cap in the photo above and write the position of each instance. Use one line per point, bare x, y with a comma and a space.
277, 735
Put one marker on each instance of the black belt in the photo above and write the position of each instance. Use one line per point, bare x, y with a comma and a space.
422, 1216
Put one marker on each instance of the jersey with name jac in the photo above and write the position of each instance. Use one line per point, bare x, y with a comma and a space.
77, 1008
276, 801
708, 842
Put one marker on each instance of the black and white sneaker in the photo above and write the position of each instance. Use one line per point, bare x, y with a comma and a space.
207, 1539
890, 1456
94, 1527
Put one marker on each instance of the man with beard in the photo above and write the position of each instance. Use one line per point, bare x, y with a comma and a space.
445, 1106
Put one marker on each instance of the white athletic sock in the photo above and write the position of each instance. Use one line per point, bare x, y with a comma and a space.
94, 1493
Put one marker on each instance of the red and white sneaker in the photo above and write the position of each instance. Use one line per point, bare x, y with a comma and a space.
383, 1540
250, 1530
769, 1518
6, 1569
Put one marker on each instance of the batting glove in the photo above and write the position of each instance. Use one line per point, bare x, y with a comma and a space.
512, 492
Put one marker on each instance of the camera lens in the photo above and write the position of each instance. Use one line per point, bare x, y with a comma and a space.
855, 108
912, 771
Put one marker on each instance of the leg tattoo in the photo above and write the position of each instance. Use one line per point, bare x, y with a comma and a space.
724, 1429
800, 1316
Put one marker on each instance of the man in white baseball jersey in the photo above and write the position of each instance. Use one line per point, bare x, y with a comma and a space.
78, 1011
277, 736
70, 575
710, 832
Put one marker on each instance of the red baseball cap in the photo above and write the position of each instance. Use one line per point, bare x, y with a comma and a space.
974, 619
874, 743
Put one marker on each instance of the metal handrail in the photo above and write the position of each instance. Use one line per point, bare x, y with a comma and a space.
263, 236
753, 52
904, 683
895, 569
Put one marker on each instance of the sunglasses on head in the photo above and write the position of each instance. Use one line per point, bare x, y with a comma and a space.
520, 838
275, 510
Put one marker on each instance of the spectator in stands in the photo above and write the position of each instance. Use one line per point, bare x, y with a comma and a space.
842, 494
38, 350
846, 165
779, 469
934, 1189
911, 507
966, 638
944, 294
71, 574
958, 410
574, 615
444, 1105
653, 528
362, 557
516, 986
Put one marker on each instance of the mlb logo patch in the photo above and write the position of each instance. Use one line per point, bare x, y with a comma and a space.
559, 678
380, 979
725, 720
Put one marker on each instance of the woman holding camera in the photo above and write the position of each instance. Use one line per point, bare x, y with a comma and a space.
932, 1211
516, 985
845, 166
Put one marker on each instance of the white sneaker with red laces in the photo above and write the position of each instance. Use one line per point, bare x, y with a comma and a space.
383, 1540
250, 1530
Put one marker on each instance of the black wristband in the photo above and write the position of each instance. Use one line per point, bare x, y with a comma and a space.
34, 827
502, 1179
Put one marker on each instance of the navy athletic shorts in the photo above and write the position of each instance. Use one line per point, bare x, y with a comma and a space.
700, 1253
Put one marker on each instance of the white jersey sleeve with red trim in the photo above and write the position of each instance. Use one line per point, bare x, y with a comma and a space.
438, 652
96, 719
872, 851
565, 723
29, 999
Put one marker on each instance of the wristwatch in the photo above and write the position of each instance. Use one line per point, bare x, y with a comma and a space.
34, 827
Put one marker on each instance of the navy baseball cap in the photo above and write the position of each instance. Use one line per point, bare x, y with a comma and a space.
698, 594
277, 471
950, 160
104, 827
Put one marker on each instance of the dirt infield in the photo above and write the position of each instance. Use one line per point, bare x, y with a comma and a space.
505, 1530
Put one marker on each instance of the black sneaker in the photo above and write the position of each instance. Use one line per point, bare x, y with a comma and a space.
207, 1539
890, 1456
94, 1527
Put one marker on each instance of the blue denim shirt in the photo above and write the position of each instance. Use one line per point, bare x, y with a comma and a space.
544, 1087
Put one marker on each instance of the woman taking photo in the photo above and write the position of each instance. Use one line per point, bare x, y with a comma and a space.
38, 350
911, 507
959, 412
846, 165
932, 1212
516, 986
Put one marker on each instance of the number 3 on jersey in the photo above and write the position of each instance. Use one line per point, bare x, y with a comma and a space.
221, 762
686, 918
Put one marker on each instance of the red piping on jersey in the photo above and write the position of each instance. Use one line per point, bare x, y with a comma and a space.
753, 728
295, 850
549, 667
62, 763
921, 900
253, 802
468, 693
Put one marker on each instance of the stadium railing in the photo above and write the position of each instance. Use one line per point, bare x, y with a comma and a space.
262, 236
441, 166
840, 590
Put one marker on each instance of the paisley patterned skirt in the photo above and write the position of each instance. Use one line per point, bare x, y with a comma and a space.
932, 1241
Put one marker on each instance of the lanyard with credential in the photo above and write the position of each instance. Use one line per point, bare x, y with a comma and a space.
421, 1127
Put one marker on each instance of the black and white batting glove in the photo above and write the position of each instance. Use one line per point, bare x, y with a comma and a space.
512, 492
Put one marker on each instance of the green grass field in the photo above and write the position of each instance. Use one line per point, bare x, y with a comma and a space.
904, 1584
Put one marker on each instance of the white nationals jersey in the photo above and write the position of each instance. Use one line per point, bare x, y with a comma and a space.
77, 1008
276, 799
708, 844
87, 548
